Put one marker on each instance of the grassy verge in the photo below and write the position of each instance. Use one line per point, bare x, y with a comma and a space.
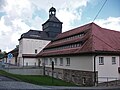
37, 79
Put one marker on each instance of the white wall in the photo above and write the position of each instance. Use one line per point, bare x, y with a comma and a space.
28, 46
20, 61
30, 61
12, 61
107, 70
86, 63
76, 63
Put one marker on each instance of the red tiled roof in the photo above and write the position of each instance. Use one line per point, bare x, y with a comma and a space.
74, 31
96, 39
64, 42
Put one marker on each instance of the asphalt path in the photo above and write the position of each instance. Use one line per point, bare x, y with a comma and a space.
11, 84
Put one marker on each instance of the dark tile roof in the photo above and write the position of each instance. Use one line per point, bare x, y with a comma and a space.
35, 34
15, 52
53, 19
96, 40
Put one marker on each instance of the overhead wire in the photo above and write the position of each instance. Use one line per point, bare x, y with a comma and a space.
99, 10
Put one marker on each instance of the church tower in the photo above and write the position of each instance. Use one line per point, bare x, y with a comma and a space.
52, 26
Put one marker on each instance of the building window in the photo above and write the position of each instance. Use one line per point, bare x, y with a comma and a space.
35, 50
55, 59
68, 61
46, 61
113, 60
61, 61
101, 60
50, 61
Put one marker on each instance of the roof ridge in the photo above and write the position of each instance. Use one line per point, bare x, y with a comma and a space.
79, 29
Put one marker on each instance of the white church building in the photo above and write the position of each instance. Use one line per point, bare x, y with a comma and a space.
33, 41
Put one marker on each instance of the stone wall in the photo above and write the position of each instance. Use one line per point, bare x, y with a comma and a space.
82, 78
57, 73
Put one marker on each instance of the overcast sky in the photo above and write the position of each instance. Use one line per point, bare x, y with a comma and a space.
19, 16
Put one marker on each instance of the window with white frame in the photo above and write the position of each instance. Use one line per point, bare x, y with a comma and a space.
113, 60
55, 59
61, 61
101, 60
68, 61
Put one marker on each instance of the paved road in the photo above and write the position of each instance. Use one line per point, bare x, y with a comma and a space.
10, 84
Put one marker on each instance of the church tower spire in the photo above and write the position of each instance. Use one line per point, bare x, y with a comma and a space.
52, 12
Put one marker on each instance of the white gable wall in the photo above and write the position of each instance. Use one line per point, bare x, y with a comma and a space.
28, 46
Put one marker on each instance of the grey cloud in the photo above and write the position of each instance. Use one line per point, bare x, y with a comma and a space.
7, 21
2, 4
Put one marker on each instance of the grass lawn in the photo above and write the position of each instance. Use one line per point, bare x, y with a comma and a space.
38, 79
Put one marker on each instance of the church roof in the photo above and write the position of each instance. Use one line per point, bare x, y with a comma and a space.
35, 34
52, 9
86, 39
53, 19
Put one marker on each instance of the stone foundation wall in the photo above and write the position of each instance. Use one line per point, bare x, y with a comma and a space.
82, 78
57, 73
